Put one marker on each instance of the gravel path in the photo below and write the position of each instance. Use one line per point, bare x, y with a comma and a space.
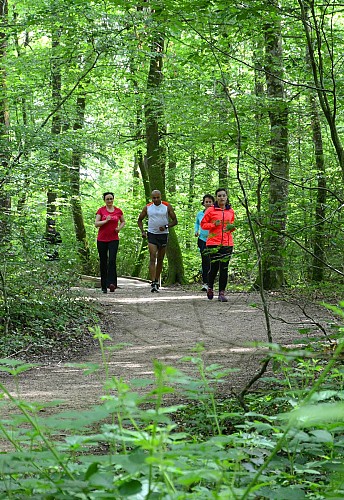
168, 326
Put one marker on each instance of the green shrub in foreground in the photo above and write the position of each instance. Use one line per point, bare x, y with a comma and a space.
131, 446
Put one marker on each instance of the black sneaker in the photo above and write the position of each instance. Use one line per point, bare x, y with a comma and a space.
154, 287
104, 290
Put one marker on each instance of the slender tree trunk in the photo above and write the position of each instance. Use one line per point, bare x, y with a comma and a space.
141, 167
78, 218
5, 200
55, 131
22, 196
136, 173
191, 194
320, 214
138, 155
316, 47
274, 238
172, 171
143, 243
258, 116
223, 171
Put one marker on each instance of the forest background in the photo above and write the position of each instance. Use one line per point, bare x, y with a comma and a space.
181, 96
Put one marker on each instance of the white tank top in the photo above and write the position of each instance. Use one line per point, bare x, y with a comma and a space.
157, 216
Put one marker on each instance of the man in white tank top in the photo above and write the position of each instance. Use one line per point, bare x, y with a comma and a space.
161, 217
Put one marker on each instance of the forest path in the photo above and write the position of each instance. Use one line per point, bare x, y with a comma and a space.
166, 326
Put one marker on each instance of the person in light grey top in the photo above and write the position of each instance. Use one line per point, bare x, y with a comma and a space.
161, 217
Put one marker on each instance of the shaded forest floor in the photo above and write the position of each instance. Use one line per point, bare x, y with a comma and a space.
166, 327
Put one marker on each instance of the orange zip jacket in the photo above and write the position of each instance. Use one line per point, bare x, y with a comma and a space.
218, 235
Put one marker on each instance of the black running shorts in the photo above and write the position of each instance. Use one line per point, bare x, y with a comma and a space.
160, 240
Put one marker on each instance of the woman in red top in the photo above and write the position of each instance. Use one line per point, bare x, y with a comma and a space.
110, 221
219, 221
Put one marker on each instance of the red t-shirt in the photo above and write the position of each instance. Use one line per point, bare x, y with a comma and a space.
107, 231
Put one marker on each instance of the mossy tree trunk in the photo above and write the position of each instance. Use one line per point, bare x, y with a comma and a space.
274, 241
156, 152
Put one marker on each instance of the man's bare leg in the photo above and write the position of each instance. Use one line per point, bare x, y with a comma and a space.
159, 263
153, 250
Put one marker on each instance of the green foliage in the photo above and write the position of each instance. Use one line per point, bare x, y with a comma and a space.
287, 444
40, 312
213, 51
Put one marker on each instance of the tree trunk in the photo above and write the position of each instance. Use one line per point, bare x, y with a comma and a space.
316, 49
320, 214
5, 200
274, 237
156, 153
191, 195
153, 115
141, 166
138, 155
22, 195
55, 131
136, 173
259, 92
223, 171
143, 244
79, 225
175, 260
172, 171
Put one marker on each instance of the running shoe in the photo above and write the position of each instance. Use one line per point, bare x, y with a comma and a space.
112, 287
204, 287
222, 297
210, 293
154, 287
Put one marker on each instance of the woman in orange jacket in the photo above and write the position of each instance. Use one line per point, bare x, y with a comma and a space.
219, 221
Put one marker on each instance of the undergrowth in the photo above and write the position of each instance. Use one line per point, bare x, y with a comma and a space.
41, 315
288, 442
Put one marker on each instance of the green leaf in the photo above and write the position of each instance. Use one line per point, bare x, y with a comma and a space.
287, 493
129, 488
322, 436
317, 414
93, 468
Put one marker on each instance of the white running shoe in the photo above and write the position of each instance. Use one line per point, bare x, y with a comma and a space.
204, 287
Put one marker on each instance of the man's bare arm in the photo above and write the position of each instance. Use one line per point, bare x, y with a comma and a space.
142, 216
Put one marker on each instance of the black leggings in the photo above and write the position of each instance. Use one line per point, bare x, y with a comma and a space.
107, 251
219, 260
205, 259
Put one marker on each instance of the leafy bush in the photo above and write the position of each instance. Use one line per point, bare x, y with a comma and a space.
288, 445
39, 310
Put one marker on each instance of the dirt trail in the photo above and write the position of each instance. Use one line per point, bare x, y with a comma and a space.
166, 326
